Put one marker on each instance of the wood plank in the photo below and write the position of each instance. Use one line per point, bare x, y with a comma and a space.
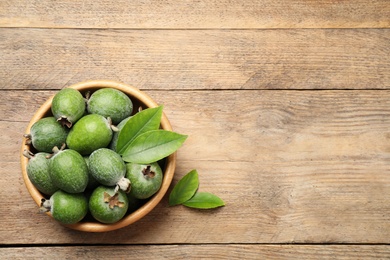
203, 252
292, 167
170, 14
197, 59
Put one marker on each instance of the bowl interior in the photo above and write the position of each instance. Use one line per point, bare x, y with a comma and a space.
139, 99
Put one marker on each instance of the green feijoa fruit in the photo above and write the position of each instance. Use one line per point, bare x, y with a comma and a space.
46, 133
65, 207
107, 205
146, 179
111, 103
115, 134
38, 172
108, 168
90, 133
68, 171
92, 182
68, 106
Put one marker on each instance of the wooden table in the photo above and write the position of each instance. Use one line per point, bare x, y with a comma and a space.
286, 104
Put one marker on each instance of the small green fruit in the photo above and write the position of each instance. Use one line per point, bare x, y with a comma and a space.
69, 171
38, 172
90, 133
46, 133
66, 208
145, 180
108, 168
108, 206
111, 103
68, 106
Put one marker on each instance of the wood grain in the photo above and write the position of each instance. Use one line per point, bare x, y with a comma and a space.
292, 167
202, 252
286, 104
197, 59
170, 14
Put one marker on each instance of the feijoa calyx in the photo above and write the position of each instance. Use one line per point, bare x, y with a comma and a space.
68, 106
46, 133
146, 179
68, 170
65, 207
111, 103
108, 168
90, 133
107, 205
38, 172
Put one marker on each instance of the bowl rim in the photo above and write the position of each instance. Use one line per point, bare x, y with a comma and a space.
170, 164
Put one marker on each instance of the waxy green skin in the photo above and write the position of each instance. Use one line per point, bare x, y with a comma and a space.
111, 103
144, 186
90, 133
100, 209
39, 174
47, 133
106, 166
68, 208
68, 104
69, 171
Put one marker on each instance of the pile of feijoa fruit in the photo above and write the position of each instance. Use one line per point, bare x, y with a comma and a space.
73, 159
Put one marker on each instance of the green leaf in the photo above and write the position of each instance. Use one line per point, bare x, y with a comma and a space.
184, 189
143, 121
153, 146
204, 200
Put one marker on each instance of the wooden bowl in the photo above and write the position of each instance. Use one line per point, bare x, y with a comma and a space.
139, 99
